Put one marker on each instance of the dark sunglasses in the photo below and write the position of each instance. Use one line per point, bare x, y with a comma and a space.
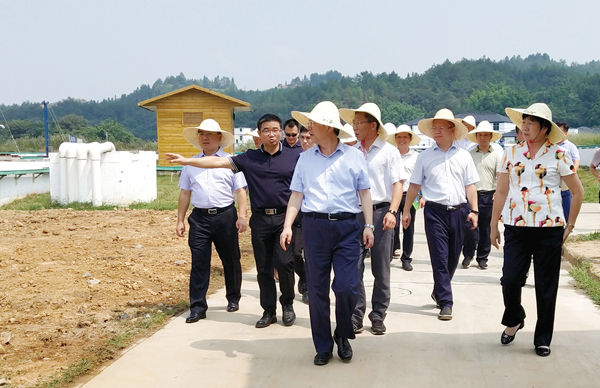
291, 134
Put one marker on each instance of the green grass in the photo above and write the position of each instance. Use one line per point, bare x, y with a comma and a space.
590, 185
585, 281
585, 138
585, 237
38, 144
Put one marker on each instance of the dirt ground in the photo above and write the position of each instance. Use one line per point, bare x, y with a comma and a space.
69, 279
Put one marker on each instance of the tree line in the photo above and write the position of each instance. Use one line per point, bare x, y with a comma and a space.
466, 86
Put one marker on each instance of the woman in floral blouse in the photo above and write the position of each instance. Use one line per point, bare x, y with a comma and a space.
528, 202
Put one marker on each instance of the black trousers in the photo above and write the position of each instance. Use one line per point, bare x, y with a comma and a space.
219, 229
408, 234
520, 243
298, 258
268, 254
478, 240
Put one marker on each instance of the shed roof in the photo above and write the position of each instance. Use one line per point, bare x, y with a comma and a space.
238, 105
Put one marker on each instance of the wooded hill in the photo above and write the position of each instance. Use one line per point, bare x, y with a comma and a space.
483, 85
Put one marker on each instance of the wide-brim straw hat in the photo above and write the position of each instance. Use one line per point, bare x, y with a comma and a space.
540, 110
414, 139
460, 130
253, 133
350, 132
348, 116
484, 127
324, 113
469, 122
208, 125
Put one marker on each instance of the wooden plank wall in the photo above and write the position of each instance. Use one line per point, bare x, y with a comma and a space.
169, 120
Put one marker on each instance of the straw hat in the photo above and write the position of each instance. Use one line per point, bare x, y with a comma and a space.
350, 132
324, 113
348, 116
469, 122
540, 110
484, 127
460, 131
208, 125
253, 133
414, 139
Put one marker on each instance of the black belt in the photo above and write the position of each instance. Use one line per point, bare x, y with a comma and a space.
214, 210
380, 205
449, 208
270, 211
486, 192
330, 216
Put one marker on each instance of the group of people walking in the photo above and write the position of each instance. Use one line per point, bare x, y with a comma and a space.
336, 202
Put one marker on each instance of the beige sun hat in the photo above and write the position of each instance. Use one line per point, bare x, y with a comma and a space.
540, 110
460, 132
469, 122
486, 127
208, 125
324, 113
348, 116
253, 133
414, 139
350, 132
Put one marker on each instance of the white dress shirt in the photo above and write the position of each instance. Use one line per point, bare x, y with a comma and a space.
408, 160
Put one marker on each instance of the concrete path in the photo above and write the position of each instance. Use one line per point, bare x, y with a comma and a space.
226, 350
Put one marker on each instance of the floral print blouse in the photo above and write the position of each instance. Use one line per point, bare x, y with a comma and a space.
534, 196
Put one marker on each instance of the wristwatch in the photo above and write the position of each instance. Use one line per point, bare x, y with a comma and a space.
370, 226
393, 212
474, 211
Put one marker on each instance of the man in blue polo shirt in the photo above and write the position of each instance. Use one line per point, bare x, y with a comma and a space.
328, 182
268, 172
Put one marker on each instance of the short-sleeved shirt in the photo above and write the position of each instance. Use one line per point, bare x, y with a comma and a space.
596, 158
443, 175
330, 184
287, 145
534, 196
269, 176
487, 165
572, 148
408, 162
385, 168
210, 187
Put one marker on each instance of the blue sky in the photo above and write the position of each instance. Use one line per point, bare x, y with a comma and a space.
85, 49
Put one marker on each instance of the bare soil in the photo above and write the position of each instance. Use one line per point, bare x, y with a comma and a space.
70, 279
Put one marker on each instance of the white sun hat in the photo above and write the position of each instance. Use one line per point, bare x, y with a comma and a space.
484, 127
324, 113
469, 122
460, 131
414, 138
540, 110
208, 125
348, 116
350, 132
253, 133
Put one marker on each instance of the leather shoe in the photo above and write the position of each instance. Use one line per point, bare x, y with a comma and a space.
232, 306
195, 317
406, 265
445, 313
323, 358
505, 339
289, 316
542, 351
344, 348
467, 262
482, 264
266, 320
305, 298
435, 300
378, 327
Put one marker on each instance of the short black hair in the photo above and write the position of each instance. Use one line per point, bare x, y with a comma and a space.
303, 129
370, 118
543, 122
291, 123
266, 118
564, 126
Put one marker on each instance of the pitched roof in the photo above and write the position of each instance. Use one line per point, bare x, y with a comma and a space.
239, 105
479, 117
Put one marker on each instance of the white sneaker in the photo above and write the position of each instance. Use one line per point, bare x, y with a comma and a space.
397, 253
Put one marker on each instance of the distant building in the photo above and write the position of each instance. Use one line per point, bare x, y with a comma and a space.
239, 133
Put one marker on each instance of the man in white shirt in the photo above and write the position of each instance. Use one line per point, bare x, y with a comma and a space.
214, 218
386, 175
446, 176
572, 148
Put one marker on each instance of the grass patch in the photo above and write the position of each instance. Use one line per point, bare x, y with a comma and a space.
585, 237
585, 281
590, 185
585, 138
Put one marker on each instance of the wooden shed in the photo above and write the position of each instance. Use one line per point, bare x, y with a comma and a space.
187, 107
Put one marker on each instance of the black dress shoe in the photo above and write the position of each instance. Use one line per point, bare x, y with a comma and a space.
542, 351
266, 320
344, 348
232, 306
305, 298
195, 317
505, 339
406, 265
483, 264
323, 358
467, 262
289, 316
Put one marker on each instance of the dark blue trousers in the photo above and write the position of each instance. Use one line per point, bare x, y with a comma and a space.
219, 229
477, 241
330, 244
444, 230
520, 244
407, 234
566, 203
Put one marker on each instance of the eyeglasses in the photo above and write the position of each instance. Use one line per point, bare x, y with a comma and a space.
356, 123
291, 134
267, 131
202, 133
